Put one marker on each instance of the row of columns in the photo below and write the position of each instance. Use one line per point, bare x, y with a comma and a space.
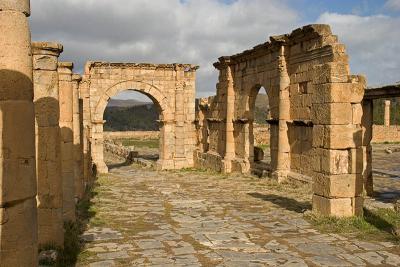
59, 151
42, 174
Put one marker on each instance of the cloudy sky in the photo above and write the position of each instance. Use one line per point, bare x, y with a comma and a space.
199, 31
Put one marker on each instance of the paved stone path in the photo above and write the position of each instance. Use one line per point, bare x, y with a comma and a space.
150, 218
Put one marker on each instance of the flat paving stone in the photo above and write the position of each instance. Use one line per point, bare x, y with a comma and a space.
146, 217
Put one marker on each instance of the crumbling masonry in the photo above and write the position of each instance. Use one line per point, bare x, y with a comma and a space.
315, 123
320, 128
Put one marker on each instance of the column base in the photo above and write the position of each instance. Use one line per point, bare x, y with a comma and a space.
227, 166
280, 176
101, 168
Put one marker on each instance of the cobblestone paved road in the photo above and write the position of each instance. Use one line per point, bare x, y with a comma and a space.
150, 218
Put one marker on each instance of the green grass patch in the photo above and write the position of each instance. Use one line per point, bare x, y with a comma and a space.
140, 143
263, 146
378, 225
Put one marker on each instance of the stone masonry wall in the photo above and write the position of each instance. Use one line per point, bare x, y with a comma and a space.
315, 123
382, 133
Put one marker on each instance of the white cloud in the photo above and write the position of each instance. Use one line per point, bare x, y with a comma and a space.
200, 31
373, 44
393, 5
160, 31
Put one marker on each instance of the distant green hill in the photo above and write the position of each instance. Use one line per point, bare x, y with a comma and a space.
142, 117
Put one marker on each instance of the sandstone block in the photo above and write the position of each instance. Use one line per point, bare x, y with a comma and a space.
338, 186
357, 157
339, 207
332, 113
334, 161
337, 92
342, 136
332, 72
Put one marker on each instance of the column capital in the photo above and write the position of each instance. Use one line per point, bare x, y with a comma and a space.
13, 5
47, 48
76, 77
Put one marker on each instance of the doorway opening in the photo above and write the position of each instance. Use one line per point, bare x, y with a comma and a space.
131, 124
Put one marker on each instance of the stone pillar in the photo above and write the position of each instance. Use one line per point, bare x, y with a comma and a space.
179, 156
283, 157
78, 150
48, 153
230, 109
337, 141
87, 163
97, 143
387, 113
366, 123
18, 217
66, 125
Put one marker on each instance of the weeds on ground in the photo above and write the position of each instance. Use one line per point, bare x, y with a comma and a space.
263, 146
73, 245
378, 224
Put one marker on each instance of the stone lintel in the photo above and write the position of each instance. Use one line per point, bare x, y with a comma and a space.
174, 66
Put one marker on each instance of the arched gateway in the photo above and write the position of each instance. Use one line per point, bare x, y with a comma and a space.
172, 89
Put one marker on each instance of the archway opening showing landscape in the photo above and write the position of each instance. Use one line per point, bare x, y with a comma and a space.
260, 114
132, 124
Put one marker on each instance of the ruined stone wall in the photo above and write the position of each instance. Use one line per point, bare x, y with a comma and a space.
172, 89
132, 134
382, 133
316, 111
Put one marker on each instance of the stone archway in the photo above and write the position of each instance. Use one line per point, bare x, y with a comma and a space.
172, 89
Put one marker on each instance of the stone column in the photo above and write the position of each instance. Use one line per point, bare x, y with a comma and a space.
18, 218
78, 150
387, 113
48, 153
283, 158
230, 109
66, 125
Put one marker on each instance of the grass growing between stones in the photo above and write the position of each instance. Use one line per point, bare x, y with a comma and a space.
377, 225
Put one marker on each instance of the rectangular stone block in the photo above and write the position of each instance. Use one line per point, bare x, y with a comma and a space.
45, 62
337, 92
338, 207
357, 112
338, 186
332, 113
357, 157
334, 161
342, 136
332, 72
